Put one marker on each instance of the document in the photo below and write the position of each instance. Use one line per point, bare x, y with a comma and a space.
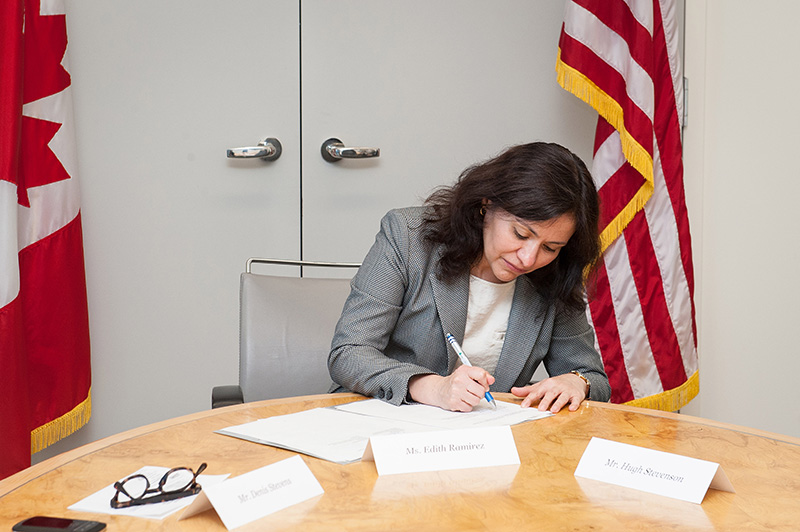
483, 415
326, 433
341, 433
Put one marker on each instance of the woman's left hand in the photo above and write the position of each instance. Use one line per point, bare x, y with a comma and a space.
554, 393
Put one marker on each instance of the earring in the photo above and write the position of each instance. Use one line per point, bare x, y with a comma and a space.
483, 210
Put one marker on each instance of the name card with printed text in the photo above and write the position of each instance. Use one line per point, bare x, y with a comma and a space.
442, 450
261, 492
671, 475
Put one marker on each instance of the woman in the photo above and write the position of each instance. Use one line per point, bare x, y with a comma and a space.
497, 260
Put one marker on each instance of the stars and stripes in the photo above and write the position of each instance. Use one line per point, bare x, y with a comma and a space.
621, 57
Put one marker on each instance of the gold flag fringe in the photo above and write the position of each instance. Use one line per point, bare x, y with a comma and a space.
575, 82
671, 400
61, 427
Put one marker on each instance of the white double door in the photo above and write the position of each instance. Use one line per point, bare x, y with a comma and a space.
163, 89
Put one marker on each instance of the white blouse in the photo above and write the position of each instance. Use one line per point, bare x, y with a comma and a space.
487, 321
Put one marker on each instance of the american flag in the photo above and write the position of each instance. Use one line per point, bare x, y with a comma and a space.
622, 58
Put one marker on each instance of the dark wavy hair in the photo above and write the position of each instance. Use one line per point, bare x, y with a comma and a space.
535, 182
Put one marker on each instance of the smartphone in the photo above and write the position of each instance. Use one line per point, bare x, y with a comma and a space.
49, 524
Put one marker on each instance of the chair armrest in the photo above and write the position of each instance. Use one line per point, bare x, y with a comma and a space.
226, 396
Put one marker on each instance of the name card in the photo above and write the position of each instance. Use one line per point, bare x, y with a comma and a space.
261, 492
671, 475
442, 450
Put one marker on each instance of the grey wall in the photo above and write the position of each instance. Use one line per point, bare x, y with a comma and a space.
740, 151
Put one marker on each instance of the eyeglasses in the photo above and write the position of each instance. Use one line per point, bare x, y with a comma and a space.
175, 484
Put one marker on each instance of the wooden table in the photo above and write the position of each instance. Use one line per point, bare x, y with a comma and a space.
542, 494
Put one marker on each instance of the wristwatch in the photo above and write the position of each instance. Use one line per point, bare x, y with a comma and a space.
588, 384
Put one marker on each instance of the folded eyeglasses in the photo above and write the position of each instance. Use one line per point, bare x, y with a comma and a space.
176, 483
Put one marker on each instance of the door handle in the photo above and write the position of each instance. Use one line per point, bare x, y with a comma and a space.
334, 150
268, 149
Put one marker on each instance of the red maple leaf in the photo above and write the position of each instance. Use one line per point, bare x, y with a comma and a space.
38, 165
44, 43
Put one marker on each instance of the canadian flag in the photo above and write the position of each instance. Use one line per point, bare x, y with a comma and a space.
45, 375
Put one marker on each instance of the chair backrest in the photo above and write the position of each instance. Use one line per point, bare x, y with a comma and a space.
285, 329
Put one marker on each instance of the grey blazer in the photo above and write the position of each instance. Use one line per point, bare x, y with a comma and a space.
394, 321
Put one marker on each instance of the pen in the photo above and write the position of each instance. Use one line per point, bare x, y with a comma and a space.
465, 361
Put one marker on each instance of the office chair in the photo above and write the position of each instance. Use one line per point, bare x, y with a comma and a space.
285, 329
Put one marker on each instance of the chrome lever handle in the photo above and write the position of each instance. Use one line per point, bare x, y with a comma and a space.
268, 149
334, 150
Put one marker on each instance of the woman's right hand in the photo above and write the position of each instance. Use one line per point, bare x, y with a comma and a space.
460, 391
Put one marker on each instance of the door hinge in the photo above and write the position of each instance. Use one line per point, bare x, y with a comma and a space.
685, 101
